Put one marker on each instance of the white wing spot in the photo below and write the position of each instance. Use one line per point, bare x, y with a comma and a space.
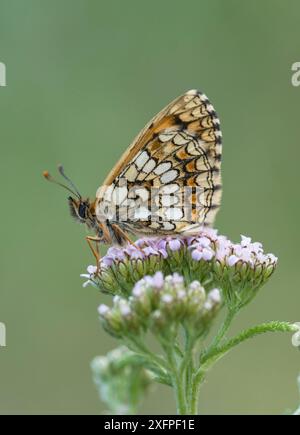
142, 159
163, 167
168, 189
169, 200
142, 213
169, 176
173, 214
149, 166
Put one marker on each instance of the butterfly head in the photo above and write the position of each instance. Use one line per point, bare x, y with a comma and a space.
81, 209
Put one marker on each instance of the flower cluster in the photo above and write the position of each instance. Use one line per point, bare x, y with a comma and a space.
121, 380
239, 270
161, 305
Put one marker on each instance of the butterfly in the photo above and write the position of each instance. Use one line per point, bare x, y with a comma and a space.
168, 182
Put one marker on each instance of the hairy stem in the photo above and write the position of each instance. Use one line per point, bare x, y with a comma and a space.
216, 353
221, 333
177, 379
220, 351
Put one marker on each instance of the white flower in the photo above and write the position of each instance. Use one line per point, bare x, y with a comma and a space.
215, 295
204, 242
124, 307
103, 309
296, 336
245, 242
207, 254
232, 260
92, 270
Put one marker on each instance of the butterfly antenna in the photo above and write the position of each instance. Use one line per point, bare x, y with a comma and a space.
52, 180
62, 173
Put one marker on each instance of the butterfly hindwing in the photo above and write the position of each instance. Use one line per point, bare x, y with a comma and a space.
169, 180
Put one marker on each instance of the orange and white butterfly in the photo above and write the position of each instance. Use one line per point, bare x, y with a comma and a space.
168, 182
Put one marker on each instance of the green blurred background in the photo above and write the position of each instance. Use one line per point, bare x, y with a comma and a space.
83, 77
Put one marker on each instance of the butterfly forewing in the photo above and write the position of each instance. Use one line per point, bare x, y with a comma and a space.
169, 180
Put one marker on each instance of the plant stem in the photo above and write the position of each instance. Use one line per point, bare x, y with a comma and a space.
139, 347
220, 351
180, 396
220, 335
186, 365
177, 379
194, 400
215, 354
222, 331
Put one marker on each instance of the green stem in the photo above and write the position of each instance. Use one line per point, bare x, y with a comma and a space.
220, 351
178, 383
194, 401
215, 354
222, 331
159, 367
186, 366
180, 396
188, 380
220, 335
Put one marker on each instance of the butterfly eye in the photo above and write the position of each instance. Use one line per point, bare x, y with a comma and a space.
82, 210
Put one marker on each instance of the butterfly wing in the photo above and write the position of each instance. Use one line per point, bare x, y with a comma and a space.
169, 179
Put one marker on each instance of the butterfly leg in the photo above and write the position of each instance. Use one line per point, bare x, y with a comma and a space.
124, 236
96, 253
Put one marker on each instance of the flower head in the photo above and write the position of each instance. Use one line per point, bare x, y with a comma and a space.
238, 269
161, 305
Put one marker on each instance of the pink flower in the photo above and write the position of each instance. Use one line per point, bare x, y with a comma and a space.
175, 244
